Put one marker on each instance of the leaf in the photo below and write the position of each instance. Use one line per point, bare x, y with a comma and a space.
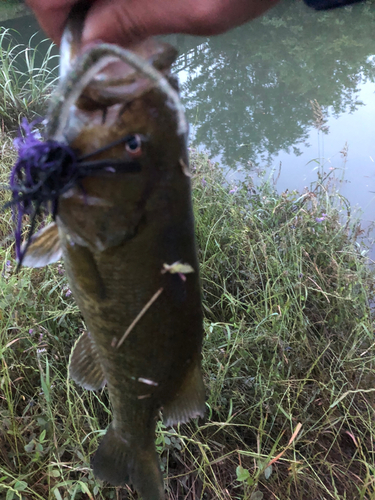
29, 447
242, 474
268, 472
45, 389
10, 495
55, 473
38, 447
250, 481
20, 485
80, 456
177, 267
85, 489
57, 494
159, 440
257, 495
42, 436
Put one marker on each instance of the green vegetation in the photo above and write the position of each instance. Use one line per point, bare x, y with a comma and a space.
10, 9
27, 77
288, 358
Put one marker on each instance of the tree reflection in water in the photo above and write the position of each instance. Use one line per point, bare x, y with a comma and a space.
248, 92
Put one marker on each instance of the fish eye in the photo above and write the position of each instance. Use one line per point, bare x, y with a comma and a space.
133, 145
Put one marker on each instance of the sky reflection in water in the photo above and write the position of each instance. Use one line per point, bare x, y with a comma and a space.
248, 95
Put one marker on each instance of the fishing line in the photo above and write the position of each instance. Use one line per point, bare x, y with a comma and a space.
83, 71
46, 169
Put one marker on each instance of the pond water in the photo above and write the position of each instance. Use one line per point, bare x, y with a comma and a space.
248, 95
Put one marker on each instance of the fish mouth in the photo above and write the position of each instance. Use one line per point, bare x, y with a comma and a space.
102, 75
39, 180
88, 79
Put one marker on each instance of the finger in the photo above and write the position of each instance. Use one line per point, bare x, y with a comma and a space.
122, 21
52, 15
127, 21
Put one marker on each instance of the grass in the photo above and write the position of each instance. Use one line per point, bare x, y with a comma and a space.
288, 358
27, 77
287, 295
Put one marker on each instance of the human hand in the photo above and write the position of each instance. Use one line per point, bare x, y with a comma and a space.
126, 21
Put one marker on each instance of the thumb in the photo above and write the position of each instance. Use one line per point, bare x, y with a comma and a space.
127, 21
123, 21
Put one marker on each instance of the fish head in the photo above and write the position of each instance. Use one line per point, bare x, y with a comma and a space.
116, 79
132, 127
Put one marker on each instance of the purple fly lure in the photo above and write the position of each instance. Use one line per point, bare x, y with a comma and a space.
43, 170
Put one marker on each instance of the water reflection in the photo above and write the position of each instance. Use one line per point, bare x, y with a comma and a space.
248, 92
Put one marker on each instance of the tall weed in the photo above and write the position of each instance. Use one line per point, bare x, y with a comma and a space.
288, 294
25, 84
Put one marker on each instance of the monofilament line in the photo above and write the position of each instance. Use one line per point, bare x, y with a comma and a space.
83, 71
139, 316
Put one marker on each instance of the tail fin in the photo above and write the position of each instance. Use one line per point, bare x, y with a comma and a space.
120, 462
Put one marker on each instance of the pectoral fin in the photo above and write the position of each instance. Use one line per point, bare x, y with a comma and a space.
81, 262
44, 248
84, 365
189, 401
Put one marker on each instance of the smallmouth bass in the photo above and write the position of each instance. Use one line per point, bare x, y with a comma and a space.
124, 227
